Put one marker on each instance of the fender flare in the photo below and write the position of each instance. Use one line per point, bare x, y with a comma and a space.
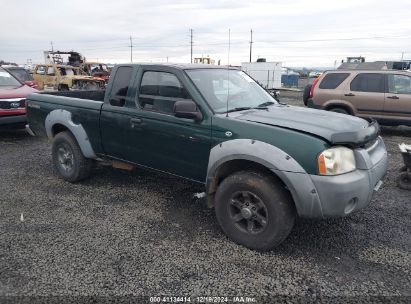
286, 168
63, 117
253, 150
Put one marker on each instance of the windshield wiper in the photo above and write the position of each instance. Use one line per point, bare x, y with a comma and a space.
265, 104
238, 109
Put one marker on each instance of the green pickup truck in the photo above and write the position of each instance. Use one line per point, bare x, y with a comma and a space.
263, 163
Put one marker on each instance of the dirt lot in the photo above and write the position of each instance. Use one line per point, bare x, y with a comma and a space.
142, 233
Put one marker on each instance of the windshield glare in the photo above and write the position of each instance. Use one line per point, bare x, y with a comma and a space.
221, 85
7, 80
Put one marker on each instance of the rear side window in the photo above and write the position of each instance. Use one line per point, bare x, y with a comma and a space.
333, 80
399, 84
368, 82
121, 83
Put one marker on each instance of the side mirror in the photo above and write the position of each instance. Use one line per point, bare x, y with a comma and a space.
186, 108
117, 101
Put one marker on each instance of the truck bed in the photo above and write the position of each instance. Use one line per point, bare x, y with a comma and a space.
97, 95
84, 108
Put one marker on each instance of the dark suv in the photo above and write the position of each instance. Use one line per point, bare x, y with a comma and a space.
384, 94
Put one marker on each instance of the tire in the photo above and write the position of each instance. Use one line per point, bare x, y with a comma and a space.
404, 181
272, 219
306, 93
339, 110
68, 160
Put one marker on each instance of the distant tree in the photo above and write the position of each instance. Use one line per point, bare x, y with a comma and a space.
2, 62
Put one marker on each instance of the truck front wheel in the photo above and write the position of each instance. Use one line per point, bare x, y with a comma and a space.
68, 160
254, 210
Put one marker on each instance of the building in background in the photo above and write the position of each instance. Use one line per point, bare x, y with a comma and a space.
267, 74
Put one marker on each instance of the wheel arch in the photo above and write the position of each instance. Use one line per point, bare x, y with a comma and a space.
245, 154
59, 121
340, 104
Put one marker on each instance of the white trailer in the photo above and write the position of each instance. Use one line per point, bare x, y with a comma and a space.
267, 74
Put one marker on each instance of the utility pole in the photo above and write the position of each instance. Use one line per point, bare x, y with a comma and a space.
131, 49
402, 56
191, 44
251, 43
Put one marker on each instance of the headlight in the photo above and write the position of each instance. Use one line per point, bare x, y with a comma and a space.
336, 161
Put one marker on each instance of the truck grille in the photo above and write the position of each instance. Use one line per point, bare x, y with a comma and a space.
12, 103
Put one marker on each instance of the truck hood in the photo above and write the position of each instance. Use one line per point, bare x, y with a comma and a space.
336, 128
15, 92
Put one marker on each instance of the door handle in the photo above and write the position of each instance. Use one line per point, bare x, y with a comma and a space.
349, 94
135, 121
393, 97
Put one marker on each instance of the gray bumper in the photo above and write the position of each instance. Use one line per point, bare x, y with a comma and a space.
335, 196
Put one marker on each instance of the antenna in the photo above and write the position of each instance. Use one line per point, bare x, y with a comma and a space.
228, 69
251, 43
131, 49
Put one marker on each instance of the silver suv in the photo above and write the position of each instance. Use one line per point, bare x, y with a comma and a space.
384, 95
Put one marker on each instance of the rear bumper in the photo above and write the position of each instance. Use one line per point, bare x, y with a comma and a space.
318, 196
13, 120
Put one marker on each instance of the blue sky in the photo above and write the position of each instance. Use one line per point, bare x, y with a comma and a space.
298, 33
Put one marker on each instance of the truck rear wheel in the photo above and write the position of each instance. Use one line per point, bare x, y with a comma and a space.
68, 160
254, 210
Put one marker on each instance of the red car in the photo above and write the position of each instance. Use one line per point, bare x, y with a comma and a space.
13, 95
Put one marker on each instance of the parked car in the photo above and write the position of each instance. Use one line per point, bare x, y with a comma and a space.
96, 69
314, 74
262, 163
384, 94
65, 78
23, 75
13, 95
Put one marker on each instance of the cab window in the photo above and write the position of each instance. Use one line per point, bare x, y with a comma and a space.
50, 71
41, 70
121, 85
159, 91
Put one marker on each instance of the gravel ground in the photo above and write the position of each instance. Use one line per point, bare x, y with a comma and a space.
142, 233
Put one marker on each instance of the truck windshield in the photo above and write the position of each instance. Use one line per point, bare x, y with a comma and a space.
7, 80
221, 85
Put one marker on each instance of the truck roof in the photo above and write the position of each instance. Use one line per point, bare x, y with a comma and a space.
390, 71
182, 66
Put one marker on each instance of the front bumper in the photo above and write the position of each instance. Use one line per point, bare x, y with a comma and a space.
336, 196
13, 120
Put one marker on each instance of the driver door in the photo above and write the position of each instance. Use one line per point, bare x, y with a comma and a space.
164, 142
